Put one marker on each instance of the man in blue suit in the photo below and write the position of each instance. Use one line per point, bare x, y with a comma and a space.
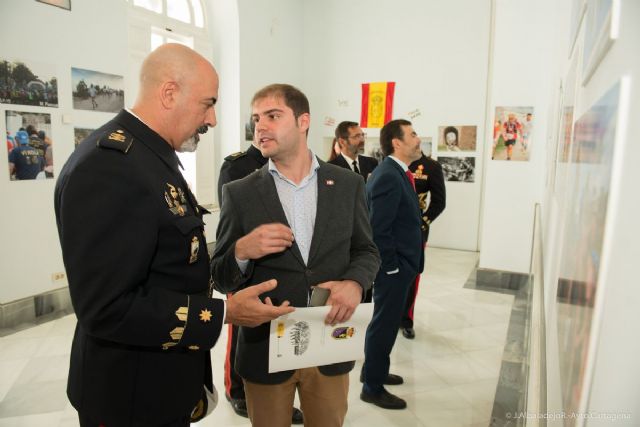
394, 213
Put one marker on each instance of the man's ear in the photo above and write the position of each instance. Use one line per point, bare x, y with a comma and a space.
169, 94
395, 143
304, 120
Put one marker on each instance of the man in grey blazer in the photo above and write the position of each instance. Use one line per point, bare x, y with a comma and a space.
304, 223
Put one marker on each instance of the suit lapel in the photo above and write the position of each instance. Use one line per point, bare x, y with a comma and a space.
272, 206
341, 161
407, 185
326, 183
365, 170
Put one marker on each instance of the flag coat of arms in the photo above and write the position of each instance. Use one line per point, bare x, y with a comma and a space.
377, 104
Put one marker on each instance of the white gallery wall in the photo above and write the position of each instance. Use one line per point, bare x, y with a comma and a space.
605, 353
524, 74
437, 54
94, 37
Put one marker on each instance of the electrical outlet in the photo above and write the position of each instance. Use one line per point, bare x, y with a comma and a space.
57, 277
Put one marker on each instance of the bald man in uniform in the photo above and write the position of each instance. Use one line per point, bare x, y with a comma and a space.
133, 245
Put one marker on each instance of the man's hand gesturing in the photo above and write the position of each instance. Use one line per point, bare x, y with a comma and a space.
244, 308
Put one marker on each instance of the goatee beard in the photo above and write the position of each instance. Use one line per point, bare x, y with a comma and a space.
190, 145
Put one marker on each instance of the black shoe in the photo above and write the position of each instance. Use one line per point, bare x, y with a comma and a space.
384, 400
239, 406
390, 380
297, 417
408, 333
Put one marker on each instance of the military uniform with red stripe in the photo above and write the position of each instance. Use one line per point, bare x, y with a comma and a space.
429, 181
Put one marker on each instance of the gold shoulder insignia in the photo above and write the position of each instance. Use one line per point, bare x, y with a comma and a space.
116, 140
235, 156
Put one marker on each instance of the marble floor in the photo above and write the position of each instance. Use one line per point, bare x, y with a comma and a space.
451, 369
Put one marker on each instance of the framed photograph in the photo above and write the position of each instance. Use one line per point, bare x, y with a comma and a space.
602, 29
63, 4
565, 127
28, 83
249, 129
512, 133
577, 13
584, 254
460, 169
96, 91
79, 135
426, 145
457, 138
30, 145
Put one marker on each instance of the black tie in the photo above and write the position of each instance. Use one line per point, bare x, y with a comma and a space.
355, 167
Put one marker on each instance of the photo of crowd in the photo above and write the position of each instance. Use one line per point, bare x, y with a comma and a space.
27, 84
29, 145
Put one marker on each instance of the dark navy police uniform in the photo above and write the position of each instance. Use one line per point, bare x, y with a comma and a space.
135, 253
236, 166
429, 179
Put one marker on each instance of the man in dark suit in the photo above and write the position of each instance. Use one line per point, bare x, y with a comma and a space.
429, 180
236, 166
134, 250
350, 137
395, 220
324, 207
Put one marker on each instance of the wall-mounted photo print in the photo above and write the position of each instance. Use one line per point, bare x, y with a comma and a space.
512, 132
30, 145
28, 83
95, 91
426, 145
249, 128
457, 138
63, 4
461, 169
372, 147
79, 135
584, 253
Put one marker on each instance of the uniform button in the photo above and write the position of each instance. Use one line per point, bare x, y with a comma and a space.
308, 272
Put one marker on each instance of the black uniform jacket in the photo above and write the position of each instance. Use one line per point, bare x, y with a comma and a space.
341, 248
238, 165
366, 164
429, 179
134, 249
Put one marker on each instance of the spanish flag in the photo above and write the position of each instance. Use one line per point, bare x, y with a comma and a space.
377, 104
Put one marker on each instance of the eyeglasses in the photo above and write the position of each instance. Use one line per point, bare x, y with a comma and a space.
358, 136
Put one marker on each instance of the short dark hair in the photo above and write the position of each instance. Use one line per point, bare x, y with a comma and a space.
342, 131
450, 129
31, 129
293, 97
391, 130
